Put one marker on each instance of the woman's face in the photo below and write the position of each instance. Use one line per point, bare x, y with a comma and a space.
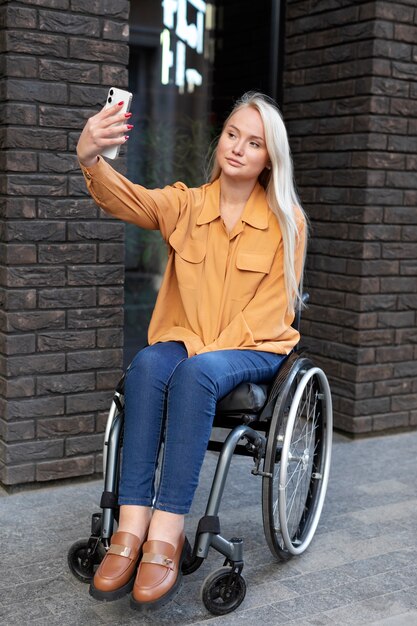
241, 151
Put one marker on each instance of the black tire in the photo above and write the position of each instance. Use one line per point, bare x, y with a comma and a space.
223, 591
297, 460
82, 563
191, 564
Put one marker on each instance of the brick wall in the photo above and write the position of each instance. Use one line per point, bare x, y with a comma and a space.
351, 104
61, 280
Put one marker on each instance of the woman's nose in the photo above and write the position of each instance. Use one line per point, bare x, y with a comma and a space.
238, 148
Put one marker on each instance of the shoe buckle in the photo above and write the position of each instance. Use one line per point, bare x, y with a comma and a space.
158, 559
120, 550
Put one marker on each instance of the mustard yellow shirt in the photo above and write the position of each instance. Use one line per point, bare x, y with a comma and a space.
221, 290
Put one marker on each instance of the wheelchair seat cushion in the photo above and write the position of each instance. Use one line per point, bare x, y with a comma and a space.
245, 398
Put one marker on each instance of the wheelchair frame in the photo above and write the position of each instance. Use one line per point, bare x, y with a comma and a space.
295, 420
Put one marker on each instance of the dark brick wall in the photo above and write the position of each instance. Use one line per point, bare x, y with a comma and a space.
351, 104
62, 261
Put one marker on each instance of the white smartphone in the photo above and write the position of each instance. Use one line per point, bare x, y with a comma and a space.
114, 96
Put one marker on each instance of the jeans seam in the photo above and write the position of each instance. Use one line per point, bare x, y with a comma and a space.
163, 431
135, 501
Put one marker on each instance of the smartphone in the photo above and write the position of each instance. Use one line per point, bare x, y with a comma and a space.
114, 96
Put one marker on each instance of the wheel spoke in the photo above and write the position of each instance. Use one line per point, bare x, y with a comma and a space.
298, 497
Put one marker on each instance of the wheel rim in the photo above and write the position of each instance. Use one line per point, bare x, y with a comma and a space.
303, 472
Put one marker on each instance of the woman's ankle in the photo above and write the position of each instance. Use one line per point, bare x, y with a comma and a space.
167, 527
135, 520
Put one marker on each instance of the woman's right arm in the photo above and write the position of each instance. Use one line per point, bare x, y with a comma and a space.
156, 209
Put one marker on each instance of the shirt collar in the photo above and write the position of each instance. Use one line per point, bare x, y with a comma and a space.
255, 212
211, 204
256, 209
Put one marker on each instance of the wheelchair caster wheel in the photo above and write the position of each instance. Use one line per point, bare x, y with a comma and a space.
82, 561
223, 591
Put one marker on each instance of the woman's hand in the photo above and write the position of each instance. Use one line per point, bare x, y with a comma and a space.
106, 128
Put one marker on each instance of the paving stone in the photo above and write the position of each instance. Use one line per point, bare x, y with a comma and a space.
371, 610
266, 615
385, 488
263, 593
370, 587
363, 568
323, 579
8, 578
309, 604
24, 613
393, 512
405, 619
74, 617
39, 571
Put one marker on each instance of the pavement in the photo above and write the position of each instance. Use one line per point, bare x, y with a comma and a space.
361, 567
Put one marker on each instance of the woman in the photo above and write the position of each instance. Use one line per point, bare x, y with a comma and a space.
223, 316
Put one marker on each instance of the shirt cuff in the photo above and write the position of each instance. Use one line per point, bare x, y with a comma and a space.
92, 169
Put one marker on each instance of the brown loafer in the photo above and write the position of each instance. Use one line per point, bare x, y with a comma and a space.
116, 573
159, 576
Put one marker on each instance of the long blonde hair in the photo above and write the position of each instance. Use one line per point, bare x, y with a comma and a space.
278, 183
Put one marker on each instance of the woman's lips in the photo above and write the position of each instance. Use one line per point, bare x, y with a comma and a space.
234, 162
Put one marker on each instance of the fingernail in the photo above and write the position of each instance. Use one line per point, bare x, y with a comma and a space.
120, 103
126, 137
128, 115
129, 126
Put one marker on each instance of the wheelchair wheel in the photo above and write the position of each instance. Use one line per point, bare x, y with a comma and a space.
297, 460
82, 561
223, 591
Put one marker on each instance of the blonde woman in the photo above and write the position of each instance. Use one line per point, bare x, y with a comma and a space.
223, 316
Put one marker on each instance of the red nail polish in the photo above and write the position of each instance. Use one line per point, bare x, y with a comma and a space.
126, 137
128, 115
120, 103
130, 126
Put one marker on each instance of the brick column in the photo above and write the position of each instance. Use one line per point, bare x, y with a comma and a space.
351, 103
62, 269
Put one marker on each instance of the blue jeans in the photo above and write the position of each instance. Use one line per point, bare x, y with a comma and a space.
165, 390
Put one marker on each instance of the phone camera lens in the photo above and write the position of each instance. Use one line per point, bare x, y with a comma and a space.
111, 92
109, 100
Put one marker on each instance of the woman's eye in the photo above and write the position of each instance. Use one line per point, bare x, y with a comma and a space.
254, 144
231, 135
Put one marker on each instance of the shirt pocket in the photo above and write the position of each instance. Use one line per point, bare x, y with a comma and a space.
189, 259
251, 268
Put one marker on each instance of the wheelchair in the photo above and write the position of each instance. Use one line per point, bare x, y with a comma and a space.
286, 427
